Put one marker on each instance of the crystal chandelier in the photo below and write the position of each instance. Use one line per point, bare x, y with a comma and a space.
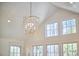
30, 22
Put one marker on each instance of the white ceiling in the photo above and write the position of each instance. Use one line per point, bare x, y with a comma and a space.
43, 10
16, 11
74, 7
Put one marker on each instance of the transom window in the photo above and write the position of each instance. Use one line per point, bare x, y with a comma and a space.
14, 51
37, 51
69, 26
52, 30
70, 49
52, 50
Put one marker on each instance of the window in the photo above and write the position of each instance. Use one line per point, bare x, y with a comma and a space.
38, 51
70, 49
52, 50
51, 30
14, 51
69, 26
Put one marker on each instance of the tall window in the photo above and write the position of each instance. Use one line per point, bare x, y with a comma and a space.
37, 51
69, 26
70, 49
52, 30
14, 51
52, 50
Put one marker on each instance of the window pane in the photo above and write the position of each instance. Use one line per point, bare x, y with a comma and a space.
18, 50
56, 50
64, 31
74, 49
65, 49
48, 50
14, 51
68, 23
74, 22
48, 33
11, 53
64, 23
41, 50
52, 50
69, 26
34, 49
55, 25
68, 30
52, 30
70, 49
11, 49
74, 29
37, 50
48, 27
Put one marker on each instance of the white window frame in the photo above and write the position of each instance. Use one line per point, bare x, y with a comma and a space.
68, 49
54, 52
52, 30
37, 54
15, 52
70, 27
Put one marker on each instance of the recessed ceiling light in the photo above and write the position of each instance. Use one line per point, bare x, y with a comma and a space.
9, 21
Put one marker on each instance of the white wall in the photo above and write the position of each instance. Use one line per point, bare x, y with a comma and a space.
5, 44
0, 21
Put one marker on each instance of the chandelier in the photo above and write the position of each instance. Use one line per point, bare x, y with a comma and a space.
30, 22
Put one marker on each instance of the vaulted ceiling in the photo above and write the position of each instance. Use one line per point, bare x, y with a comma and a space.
16, 11
71, 6
43, 10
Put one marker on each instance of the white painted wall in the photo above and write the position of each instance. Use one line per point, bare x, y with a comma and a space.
5, 44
